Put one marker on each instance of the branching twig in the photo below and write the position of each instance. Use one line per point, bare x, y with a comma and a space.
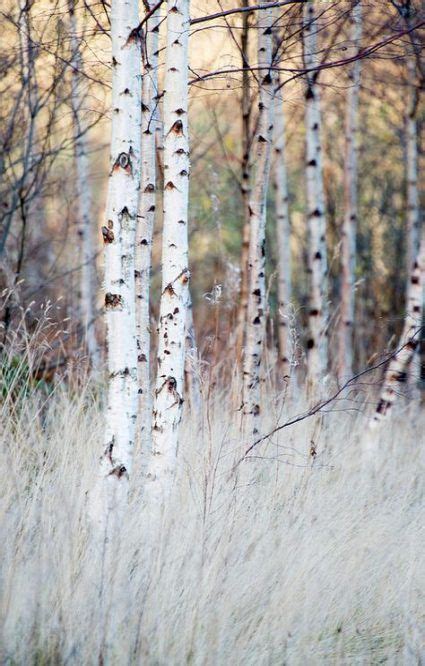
320, 405
241, 10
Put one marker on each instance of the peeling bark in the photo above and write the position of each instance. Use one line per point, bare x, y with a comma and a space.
256, 313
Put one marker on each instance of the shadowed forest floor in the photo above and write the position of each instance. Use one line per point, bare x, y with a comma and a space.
301, 564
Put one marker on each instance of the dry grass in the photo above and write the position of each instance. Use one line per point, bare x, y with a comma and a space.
304, 564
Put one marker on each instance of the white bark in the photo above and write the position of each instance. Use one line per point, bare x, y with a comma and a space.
413, 207
413, 211
256, 314
316, 218
245, 183
85, 248
119, 237
283, 239
397, 370
349, 228
145, 226
168, 400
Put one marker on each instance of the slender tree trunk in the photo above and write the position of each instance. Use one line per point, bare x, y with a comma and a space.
145, 226
283, 239
31, 96
168, 401
83, 198
119, 238
396, 373
28, 191
245, 182
413, 208
191, 366
316, 218
349, 228
413, 212
256, 315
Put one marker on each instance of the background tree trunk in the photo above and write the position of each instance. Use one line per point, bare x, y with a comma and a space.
413, 206
349, 227
85, 249
283, 238
191, 366
256, 314
396, 373
245, 182
316, 218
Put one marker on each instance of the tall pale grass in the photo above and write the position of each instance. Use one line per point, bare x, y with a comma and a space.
282, 561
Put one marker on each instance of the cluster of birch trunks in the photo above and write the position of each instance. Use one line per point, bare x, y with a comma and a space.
136, 414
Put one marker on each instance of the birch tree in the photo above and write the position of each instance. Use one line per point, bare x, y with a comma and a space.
316, 220
86, 251
119, 240
405, 10
283, 238
256, 313
168, 399
413, 212
413, 208
245, 180
349, 227
145, 223
396, 373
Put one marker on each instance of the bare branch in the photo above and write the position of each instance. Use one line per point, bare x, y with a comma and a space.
241, 10
324, 403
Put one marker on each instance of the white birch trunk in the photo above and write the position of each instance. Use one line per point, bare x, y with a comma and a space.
413, 207
316, 218
119, 237
86, 251
256, 314
145, 226
396, 373
413, 212
283, 239
245, 184
168, 400
349, 227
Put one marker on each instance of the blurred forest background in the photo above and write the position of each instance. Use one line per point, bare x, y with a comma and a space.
41, 256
